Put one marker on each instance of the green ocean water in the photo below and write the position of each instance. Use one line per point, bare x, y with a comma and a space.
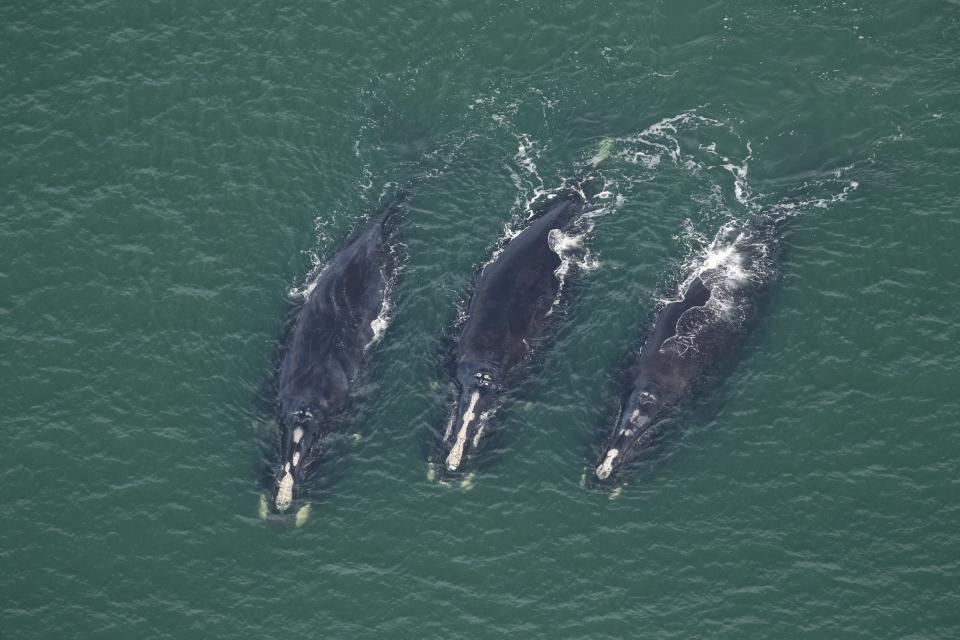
171, 172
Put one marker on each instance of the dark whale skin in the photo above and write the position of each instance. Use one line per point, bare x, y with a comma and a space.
713, 308
511, 300
329, 344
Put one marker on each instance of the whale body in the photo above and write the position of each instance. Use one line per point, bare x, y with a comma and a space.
511, 300
713, 307
329, 343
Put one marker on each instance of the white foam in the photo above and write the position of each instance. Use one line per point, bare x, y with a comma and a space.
823, 203
525, 175
378, 325
661, 139
569, 247
719, 158
741, 189
303, 292
726, 260
732, 260
674, 139
509, 233
525, 154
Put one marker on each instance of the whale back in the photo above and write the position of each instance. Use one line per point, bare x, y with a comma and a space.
715, 307
516, 291
328, 343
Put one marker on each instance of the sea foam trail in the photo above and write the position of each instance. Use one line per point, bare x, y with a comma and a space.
719, 158
532, 196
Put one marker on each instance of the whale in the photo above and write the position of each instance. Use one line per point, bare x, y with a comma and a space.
713, 307
511, 301
329, 343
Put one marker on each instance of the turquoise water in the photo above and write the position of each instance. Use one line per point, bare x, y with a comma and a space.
170, 174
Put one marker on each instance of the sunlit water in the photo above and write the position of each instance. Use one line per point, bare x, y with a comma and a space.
171, 174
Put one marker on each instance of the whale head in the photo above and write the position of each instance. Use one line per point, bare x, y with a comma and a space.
300, 431
636, 424
465, 427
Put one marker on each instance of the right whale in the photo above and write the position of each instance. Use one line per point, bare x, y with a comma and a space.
514, 295
329, 344
712, 308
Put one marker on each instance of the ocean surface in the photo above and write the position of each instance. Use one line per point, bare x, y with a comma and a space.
171, 174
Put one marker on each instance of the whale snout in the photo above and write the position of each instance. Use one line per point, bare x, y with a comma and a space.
466, 426
467, 417
297, 440
621, 446
635, 426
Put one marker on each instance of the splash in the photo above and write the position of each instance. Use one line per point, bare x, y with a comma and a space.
741, 189
715, 152
302, 293
662, 140
526, 176
570, 248
378, 326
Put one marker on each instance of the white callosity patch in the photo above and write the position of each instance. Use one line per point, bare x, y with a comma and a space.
606, 468
456, 453
476, 437
285, 490
449, 430
297, 435
303, 513
484, 417
296, 458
